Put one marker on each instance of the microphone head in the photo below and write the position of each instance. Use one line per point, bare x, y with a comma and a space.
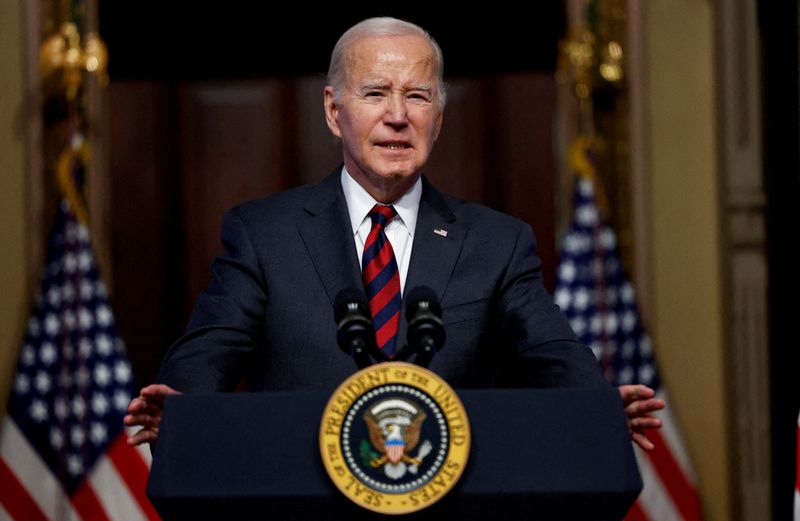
349, 300
426, 333
422, 297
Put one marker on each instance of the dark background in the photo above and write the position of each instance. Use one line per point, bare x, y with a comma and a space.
246, 39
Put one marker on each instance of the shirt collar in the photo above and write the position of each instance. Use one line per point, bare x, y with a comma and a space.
359, 203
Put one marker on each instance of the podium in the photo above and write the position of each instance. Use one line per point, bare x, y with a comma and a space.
553, 454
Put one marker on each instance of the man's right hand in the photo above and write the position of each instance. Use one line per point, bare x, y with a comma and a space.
145, 411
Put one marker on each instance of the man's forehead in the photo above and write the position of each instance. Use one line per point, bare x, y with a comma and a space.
378, 51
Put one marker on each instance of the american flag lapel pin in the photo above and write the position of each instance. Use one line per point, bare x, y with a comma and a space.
440, 231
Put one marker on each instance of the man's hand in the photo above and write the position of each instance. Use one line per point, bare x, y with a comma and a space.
145, 411
639, 403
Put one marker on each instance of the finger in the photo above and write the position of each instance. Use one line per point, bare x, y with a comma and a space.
145, 420
146, 409
640, 407
630, 393
143, 436
645, 423
137, 404
642, 441
156, 393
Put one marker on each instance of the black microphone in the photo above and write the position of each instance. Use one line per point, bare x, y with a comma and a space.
425, 328
355, 333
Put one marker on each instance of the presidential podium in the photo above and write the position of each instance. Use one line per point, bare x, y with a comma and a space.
554, 454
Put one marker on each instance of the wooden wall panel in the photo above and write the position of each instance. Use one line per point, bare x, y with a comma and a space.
145, 241
236, 143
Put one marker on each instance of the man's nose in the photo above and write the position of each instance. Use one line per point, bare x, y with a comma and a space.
396, 110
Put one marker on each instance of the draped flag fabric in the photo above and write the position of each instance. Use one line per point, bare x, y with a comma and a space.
797, 475
63, 454
593, 293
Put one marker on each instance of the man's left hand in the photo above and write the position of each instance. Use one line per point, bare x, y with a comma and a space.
640, 402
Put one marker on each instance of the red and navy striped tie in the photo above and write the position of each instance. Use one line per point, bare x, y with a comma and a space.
382, 280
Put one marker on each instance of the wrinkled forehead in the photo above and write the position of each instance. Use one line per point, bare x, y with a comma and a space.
373, 54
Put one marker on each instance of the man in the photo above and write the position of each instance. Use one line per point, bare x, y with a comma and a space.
267, 315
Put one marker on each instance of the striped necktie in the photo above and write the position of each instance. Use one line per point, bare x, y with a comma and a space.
382, 280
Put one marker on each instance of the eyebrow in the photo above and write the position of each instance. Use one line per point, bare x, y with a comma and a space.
381, 85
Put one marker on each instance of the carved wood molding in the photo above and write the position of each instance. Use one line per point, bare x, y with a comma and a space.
743, 205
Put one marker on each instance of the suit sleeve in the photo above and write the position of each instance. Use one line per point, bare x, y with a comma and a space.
226, 322
545, 351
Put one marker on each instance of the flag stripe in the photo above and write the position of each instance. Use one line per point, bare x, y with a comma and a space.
654, 501
143, 450
670, 435
33, 474
19, 504
797, 456
797, 475
678, 486
87, 504
636, 513
113, 494
133, 470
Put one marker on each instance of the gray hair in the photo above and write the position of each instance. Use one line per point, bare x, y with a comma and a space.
381, 26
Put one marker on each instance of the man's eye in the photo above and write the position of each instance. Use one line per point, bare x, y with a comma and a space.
415, 96
373, 94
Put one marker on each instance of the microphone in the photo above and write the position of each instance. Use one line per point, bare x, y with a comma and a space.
425, 328
355, 333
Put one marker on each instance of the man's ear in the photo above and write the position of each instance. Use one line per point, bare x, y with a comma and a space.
439, 120
331, 112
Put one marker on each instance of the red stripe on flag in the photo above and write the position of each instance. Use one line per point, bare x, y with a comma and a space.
387, 293
86, 503
387, 331
133, 470
797, 455
636, 513
15, 498
681, 490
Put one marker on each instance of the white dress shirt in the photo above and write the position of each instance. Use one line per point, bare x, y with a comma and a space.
399, 231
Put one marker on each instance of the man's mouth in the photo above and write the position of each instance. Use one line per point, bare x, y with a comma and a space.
393, 145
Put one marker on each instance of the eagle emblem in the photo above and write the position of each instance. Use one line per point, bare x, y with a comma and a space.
395, 427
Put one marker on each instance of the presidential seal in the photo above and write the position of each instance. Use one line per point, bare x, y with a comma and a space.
394, 438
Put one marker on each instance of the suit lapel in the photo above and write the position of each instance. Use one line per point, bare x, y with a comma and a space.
438, 239
328, 236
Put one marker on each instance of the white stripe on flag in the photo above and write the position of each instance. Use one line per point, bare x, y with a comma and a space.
113, 493
796, 505
673, 440
655, 501
143, 449
797, 474
33, 474
3, 514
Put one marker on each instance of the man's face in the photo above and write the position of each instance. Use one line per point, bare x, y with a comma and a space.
389, 113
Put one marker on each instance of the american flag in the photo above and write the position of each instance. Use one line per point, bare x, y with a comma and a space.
63, 454
594, 294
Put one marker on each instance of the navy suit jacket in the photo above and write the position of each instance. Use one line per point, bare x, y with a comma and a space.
267, 314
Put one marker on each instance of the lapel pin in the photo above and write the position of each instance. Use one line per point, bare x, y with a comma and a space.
440, 231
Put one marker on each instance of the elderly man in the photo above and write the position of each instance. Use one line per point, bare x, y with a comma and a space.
375, 222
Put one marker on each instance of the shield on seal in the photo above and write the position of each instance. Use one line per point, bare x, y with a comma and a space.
394, 449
